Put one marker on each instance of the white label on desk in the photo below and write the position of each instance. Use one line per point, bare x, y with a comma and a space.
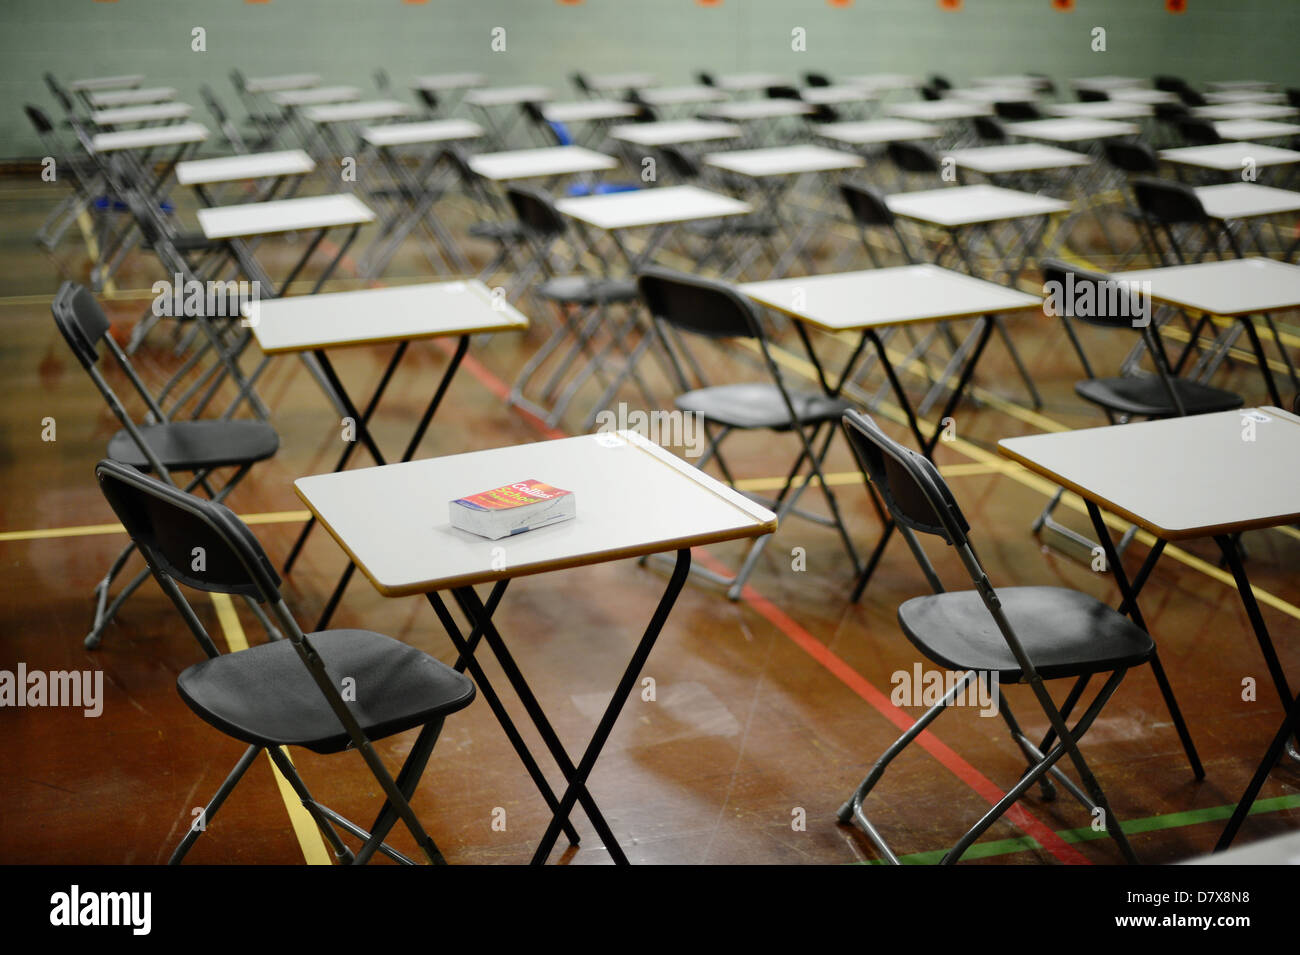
607, 439
1253, 415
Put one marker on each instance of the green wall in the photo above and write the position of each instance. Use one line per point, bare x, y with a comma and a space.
345, 40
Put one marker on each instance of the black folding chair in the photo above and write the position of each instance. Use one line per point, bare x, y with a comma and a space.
990, 130
1135, 394
1174, 211
1015, 635
287, 692
716, 310
1016, 111
160, 444
582, 303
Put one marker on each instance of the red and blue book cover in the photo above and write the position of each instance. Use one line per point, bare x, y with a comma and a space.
512, 509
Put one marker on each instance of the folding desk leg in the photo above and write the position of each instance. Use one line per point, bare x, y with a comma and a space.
577, 782
1129, 605
1233, 559
1290, 727
989, 323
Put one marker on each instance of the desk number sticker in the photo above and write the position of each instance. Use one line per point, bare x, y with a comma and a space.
607, 439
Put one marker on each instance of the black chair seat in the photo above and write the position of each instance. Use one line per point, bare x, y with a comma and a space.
1145, 395
582, 290
497, 231
1065, 633
197, 445
758, 405
265, 696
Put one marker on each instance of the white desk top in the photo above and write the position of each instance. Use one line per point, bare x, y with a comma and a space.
1244, 111
374, 316
1240, 85
587, 110
1178, 478
840, 93
968, 205
752, 109
621, 81
1009, 79
682, 95
783, 161
283, 215
1025, 157
884, 82
1254, 129
674, 132
123, 81
149, 138
645, 207
317, 96
149, 113
742, 82
938, 111
282, 83
287, 162
438, 82
1250, 95
875, 131
993, 94
151, 94
1230, 287
1150, 97
1072, 129
1108, 82
1106, 109
358, 112
393, 521
848, 301
535, 163
430, 131
508, 95
1245, 200
1230, 156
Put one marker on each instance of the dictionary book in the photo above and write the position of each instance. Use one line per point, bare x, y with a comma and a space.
512, 509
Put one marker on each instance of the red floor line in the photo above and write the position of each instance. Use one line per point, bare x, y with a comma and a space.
981, 784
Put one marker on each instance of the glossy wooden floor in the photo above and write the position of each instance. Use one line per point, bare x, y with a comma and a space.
766, 711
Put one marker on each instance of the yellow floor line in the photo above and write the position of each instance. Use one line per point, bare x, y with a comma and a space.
304, 827
840, 478
87, 228
90, 530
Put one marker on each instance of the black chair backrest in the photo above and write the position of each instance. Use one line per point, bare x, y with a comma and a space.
867, 205
783, 92
908, 482
1044, 83
534, 112
706, 79
238, 82
580, 83
1293, 96
213, 104
702, 306
990, 130
59, 93
1092, 96
1017, 111
1169, 84
1199, 132
1169, 202
1110, 303
429, 98
39, 120
817, 79
930, 93
81, 321
198, 542
683, 166
1191, 97
536, 211
1131, 156
913, 157
1171, 112
822, 113
940, 82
